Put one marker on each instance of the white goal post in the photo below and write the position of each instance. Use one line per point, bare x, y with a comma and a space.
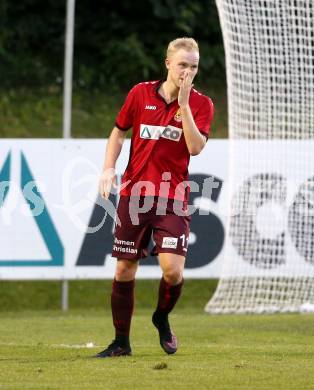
269, 246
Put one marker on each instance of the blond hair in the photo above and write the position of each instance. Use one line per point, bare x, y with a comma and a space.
188, 44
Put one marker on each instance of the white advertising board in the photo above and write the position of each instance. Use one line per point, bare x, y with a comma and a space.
68, 233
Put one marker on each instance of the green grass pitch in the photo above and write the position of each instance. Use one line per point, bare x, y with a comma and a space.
47, 350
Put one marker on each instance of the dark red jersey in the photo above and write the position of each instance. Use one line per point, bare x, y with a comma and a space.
159, 157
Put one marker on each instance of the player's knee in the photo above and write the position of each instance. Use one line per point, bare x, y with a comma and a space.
125, 271
124, 274
173, 276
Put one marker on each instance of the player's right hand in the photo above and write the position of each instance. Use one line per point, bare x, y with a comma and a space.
107, 180
185, 89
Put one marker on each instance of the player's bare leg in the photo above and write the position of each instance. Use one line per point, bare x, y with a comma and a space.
125, 270
172, 266
122, 304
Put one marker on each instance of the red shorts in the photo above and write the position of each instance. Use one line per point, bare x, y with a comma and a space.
170, 232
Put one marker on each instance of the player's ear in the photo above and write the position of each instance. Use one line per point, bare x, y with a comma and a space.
167, 63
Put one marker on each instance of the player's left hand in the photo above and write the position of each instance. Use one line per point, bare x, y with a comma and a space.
185, 89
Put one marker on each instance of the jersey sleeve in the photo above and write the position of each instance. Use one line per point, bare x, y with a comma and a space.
204, 116
125, 118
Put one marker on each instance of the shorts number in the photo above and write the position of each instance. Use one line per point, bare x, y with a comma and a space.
183, 239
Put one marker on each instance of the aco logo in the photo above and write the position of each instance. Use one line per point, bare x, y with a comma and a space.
171, 133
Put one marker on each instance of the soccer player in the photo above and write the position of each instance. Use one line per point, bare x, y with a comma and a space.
170, 121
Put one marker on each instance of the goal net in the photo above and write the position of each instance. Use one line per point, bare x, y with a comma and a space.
269, 245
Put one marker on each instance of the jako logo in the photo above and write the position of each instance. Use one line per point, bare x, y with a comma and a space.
147, 107
155, 132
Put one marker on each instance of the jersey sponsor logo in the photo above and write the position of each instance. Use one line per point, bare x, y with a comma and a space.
145, 133
169, 242
148, 107
177, 116
155, 132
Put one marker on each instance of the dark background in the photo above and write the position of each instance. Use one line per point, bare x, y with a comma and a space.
117, 43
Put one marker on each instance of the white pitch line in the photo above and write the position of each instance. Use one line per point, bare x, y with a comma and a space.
87, 345
74, 346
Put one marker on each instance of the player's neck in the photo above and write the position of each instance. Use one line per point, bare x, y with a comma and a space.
169, 91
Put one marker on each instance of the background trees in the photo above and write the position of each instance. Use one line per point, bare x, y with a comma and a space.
117, 43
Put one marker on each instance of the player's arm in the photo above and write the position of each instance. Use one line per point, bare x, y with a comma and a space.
195, 141
113, 149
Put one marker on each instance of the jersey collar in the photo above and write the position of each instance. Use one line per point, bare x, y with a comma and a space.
157, 94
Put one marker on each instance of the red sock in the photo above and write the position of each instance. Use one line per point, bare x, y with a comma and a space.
168, 296
122, 304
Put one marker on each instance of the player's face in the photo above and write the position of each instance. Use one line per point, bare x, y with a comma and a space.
181, 62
